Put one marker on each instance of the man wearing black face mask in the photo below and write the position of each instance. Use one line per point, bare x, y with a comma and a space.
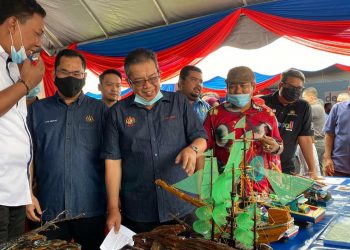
66, 130
294, 121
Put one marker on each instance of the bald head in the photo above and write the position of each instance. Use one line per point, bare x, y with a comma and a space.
310, 95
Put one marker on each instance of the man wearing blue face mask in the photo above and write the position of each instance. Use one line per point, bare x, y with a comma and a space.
294, 118
221, 120
149, 135
21, 28
67, 134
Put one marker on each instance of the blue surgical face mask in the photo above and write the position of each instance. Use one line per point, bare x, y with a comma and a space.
144, 102
34, 92
20, 55
239, 100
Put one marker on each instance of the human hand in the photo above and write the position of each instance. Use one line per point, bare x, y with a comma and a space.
31, 73
269, 144
113, 219
188, 158
314, 176
33, 209
328, 166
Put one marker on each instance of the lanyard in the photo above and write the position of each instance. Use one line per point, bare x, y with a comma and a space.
9, 60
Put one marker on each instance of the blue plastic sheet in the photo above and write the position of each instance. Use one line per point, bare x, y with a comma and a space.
311, 236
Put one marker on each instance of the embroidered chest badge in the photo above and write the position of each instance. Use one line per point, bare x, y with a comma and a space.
130, 121
292, 112
89, 119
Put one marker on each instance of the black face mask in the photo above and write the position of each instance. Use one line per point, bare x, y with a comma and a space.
291, 94
69, 86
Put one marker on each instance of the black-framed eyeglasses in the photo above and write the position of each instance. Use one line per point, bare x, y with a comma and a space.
141, 82
292, 87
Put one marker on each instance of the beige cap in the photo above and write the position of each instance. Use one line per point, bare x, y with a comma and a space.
241, 74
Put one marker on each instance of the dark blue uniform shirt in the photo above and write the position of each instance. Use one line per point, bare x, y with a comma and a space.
147, 142
67, 143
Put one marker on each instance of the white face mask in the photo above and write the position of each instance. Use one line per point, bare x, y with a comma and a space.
20, 55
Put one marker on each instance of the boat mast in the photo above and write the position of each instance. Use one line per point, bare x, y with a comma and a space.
233, 196
211, 192
244, 167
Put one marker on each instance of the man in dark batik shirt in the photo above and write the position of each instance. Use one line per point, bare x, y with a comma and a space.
149, 135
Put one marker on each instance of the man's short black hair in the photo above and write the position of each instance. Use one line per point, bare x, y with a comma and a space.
293, 73
110, 71
185, 71
69, 53
21, 9
137, 56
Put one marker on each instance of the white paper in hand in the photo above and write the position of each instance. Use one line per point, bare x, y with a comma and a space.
115, 241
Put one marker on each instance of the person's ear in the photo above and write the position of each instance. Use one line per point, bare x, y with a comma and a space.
99, 86
179, 84
280, 85
11, 23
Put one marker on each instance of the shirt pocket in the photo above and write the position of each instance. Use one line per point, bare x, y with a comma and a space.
47, 129
172, 131
89, 136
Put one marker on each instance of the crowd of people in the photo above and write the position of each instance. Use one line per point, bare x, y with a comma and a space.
99, 159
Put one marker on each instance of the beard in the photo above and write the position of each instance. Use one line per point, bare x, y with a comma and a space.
194, 96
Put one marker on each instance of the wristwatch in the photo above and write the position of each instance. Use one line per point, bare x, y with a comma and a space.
195, 149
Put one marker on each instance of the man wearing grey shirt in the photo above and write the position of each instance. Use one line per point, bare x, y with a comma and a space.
318, 120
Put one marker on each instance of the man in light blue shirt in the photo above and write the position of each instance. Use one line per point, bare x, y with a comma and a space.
190, 84
337, 138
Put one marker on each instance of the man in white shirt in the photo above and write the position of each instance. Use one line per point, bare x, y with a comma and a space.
21, 28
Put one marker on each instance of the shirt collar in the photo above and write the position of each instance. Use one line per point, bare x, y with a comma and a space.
3, 53
80, 99
276, 102
257, 103
199, 100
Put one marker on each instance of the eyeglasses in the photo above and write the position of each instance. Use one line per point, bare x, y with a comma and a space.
141, 82
289, 86
65, 73
234, 86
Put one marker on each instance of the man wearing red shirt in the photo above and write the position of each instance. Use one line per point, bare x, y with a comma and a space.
260, 119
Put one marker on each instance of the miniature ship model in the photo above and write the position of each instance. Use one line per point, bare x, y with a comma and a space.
318, 195
33, 241
227, 209
289, 194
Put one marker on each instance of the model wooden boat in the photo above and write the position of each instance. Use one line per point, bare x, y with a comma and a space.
289, 195
279, 222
